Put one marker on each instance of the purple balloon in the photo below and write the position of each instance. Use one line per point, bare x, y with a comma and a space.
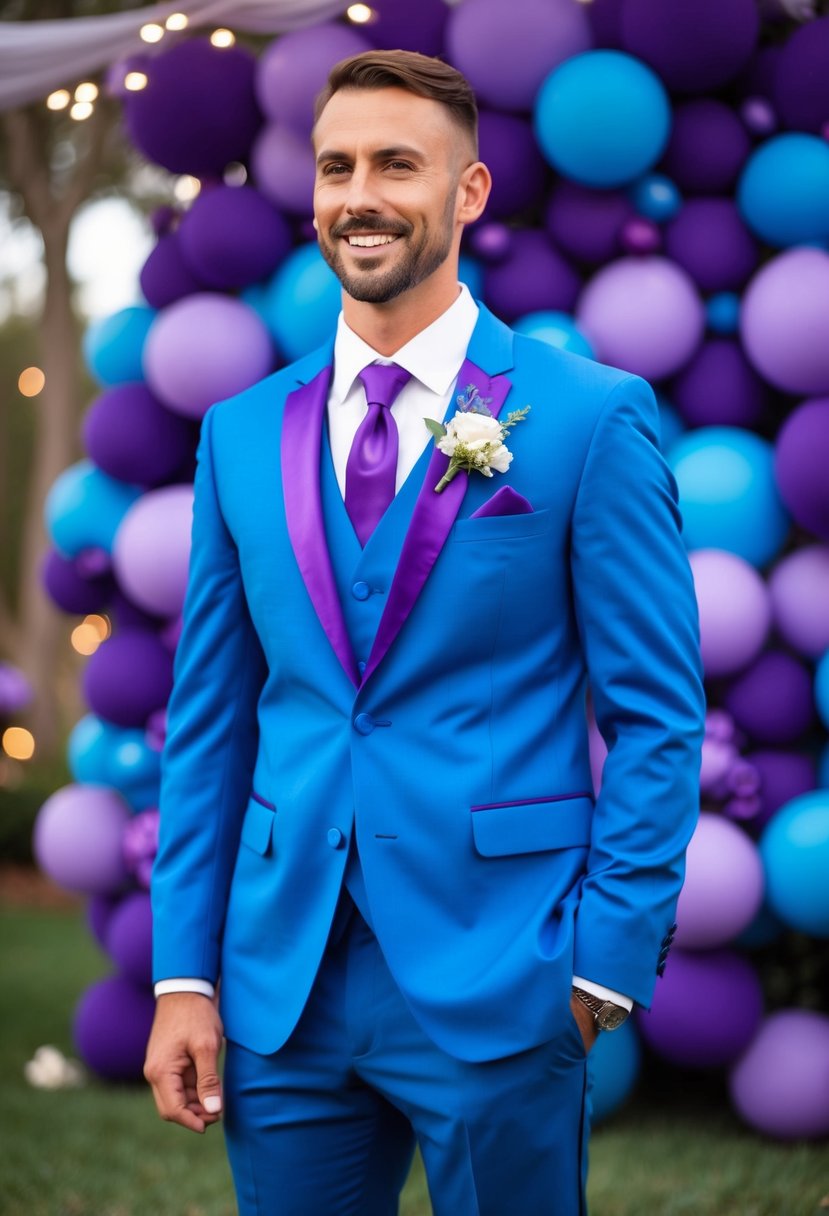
709, 239
151, 551
284, 169
15, 690
508, 148
772, 700
734, 610
127, 677
783, 776
203, 349
232, 236
587, 224
70, 590
706, 1009
99, 911
77, 839
532, 278
707, 149
642, 314
491, 242
801, 458
781, 1084
165, 277
695, 48
784, 320
128, 615
605, 18
641, 236
799, 587
111, 1027
411, 27
295, 67
719, 387
723, 887
140, 841
209, 91
801, 81
134, 438
506, 50
129, 939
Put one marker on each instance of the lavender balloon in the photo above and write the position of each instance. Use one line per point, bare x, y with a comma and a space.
77, 839
772, 700
781, 1085
707, 148
111, 1026
734, 610
694, 48
800, 463
127, 677
719, 387
784, 321
233, 236
534, 277
295, 67
587, 224
799, 587
132, 437
283, 168
709, 240
723, 887
152, 549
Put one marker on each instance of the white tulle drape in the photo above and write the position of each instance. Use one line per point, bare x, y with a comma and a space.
37, 57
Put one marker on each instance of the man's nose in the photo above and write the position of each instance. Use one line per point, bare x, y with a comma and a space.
363, 194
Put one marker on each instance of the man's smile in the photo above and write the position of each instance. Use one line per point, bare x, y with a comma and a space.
370, 240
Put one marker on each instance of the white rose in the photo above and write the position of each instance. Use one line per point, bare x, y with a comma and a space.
472, 428
501, 459
448, 442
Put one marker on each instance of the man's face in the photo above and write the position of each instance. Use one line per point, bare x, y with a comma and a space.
386, 191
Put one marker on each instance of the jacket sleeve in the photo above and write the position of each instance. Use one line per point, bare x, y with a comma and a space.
637, 617
211, 744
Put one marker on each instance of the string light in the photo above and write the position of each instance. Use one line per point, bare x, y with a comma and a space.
186, 188
18, 743
81, 110
135, 81
101, 625
85, 639
235, 174
222, 38
360, 14
58, 100
87, 91
177, 21
152, 32
30, 382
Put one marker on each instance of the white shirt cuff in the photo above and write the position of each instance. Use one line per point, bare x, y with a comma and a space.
604, 994
186, 984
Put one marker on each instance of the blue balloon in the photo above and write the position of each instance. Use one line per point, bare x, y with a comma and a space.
822, 691
602, 118
671, 423
783, 192
100, 753
557, 329
302, 302
471, 272
613, 1067
722, 312
727, 493
113, 346
84, 508
795, 852
656, 197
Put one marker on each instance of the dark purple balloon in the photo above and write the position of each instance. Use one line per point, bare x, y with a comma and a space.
491, 242
128, 615
801, 461
129, 938
605, 17
587, 224
783, 776
758, 76
641, 236
534, 277
111, 1027
709, 239
198, 111
165, 277
801, 79
772, 699
131, 436
695, 47
67, 587
707, 149
508, 148
705, 1010
407, 26
719, 387
232, 236
127, 677
99, 912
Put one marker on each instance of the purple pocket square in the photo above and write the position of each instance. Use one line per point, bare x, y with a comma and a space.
505, 501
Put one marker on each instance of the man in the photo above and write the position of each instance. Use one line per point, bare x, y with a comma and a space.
378, 824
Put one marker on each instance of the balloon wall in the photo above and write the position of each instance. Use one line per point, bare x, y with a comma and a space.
661, 202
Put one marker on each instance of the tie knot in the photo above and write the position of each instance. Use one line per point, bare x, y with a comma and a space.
382, 382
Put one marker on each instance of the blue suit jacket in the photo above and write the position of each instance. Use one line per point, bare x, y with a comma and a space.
459, 756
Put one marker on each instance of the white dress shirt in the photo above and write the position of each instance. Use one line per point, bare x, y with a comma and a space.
434, 358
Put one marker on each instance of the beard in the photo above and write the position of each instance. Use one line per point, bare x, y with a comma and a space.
369, 284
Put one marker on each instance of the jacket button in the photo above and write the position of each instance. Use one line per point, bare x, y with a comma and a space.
335, 837
364, 724
361, 591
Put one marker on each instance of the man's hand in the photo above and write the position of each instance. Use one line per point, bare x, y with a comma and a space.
586, 1023
182, 1060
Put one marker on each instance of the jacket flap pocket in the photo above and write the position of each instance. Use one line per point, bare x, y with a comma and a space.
257, 827
506, 828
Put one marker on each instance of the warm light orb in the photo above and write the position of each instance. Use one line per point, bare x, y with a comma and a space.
360, 14
18, 743
186, 188
81, 110
222, 38
85, 639
235, 174
87, 91
101, 625
58, 100
177, 21
31, 381
135, 81
151, 32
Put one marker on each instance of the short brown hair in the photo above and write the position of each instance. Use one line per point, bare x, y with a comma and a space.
418, 74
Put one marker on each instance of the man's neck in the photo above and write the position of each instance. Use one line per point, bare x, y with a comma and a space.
388, 327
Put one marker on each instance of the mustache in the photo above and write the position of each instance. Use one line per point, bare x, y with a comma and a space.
371, 223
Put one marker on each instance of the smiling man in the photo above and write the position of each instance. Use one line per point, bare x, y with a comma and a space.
378, 824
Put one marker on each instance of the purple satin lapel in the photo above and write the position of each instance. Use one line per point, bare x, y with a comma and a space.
432, 520
301, 439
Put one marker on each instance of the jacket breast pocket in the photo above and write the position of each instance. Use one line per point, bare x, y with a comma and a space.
257, 826
504, 829
501, 527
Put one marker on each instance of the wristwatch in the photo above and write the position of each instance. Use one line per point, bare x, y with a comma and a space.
606, 1015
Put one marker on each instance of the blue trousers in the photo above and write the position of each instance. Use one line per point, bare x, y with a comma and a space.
327, 1125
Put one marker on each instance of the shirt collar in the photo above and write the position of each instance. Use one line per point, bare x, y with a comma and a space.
434, 356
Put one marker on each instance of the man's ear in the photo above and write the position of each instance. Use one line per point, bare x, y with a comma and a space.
473, 191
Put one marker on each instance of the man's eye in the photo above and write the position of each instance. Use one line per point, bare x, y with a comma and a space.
399, 164
335, 170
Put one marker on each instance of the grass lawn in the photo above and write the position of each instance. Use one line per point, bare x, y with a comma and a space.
101, 1151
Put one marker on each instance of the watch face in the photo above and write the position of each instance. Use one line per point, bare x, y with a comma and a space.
610, 1017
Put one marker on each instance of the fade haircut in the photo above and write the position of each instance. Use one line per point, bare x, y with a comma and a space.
409, 70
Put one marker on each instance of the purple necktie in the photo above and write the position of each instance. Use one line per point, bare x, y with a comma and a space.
371, 471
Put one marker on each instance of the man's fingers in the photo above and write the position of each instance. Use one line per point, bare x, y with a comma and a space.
171, 1100
208, 1084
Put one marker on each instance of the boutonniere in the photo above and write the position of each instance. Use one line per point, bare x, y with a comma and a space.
474, 440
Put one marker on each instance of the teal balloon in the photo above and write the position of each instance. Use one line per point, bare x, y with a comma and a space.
795, 852
302, 302
822, 695
727, 493
602, 118
471, 272
100, 753
722, 312
613, 1066
556, 329
84, 508
656, 197
113, 346
783, 192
